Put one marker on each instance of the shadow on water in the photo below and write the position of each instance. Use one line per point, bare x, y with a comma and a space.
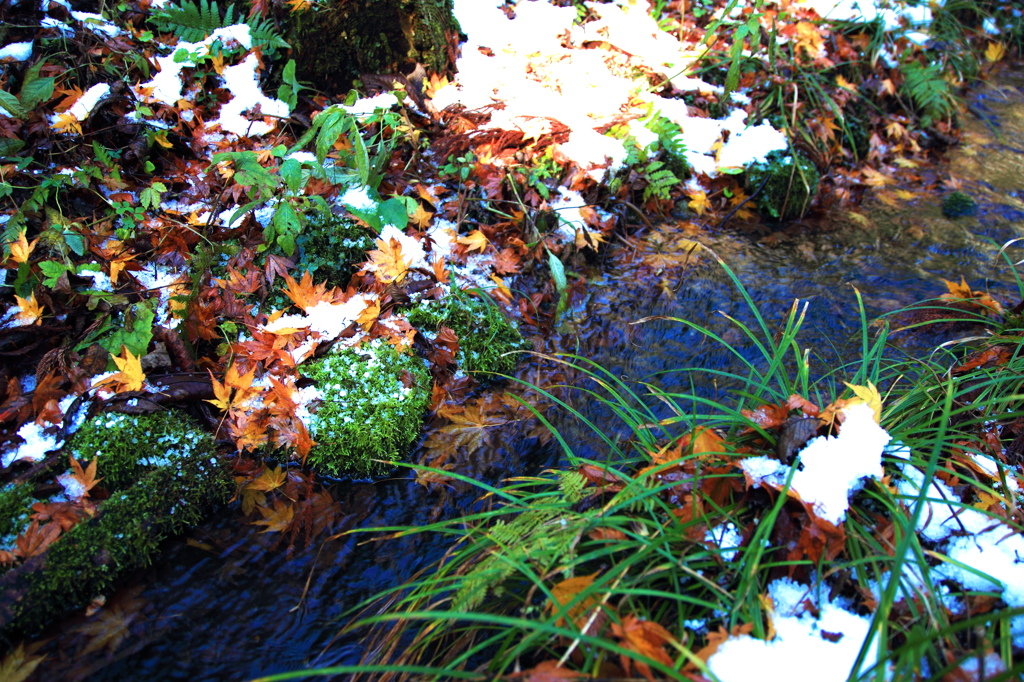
227, 603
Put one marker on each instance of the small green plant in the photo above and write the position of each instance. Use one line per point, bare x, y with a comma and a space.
459, 167
788, 183
372, 400
959, 204
931, 93
488, 340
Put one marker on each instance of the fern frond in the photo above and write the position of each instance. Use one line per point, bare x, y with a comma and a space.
193, 22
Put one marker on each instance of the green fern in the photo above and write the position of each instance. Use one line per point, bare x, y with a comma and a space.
930, 91
660, 181
193, 22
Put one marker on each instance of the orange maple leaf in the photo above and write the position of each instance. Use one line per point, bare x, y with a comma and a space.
29, 311
646, 638
304, 294
387, 262
277, 519
369, 315
35, 540
565, 592
440, 271
85, 477
475, 241
421, 217
22, 249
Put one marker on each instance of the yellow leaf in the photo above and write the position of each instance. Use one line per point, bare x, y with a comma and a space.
270, 479
30, 310
845, 84
22, 249
421, 218
906, 163
905, 195
867, 395
67, 123
222, 395
277, 519
387, 262
502, 287
369, 315
161, 139
698, 202
130, 375
874, 178
995, 52
18, 665
475, 240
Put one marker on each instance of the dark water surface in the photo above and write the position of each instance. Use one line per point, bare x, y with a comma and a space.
228, 603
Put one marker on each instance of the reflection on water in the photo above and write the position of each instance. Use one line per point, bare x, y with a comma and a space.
230, 605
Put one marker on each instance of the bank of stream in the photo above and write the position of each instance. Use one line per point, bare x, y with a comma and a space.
229, 602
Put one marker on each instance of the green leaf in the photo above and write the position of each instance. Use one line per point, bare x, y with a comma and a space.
557, 272
36, 92
52, 270
75, 242
393, 212
286, 226
11, 104
291, 173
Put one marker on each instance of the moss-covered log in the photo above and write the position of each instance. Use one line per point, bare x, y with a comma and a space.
343, 39
87, 560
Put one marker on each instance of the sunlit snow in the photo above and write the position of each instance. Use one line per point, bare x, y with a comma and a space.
833, 466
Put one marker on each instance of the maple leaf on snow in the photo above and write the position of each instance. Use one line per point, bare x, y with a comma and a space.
474, 241
29, 311
304, 294
387, 262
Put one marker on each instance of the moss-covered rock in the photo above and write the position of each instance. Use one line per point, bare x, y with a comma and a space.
487, 339
371, 408
129, 445
790, 184
88, 559
959, 204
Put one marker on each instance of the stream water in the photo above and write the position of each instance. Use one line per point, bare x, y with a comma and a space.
227, 603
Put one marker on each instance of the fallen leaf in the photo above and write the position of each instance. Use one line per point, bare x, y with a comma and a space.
474, 241
867, 395
35, 539
130, 376
276, 519
995, 52
387, 262
22, 249
29, 311
87, 477
19, 664
646, 638
698, 202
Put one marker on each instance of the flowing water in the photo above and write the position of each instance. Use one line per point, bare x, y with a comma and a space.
228, 603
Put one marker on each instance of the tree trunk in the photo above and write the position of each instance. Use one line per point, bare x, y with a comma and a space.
337, 44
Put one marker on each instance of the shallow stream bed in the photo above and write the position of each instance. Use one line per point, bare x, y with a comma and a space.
231, 603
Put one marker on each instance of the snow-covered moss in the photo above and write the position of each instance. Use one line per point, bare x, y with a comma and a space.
15, 501
790, 184
129, 445
330, 246
487, 338
371, 408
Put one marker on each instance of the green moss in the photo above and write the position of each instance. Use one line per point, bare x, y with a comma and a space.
330, 246
129, 445
959, 204
87, 560
15, 501
487, 338
790, 184
372, 405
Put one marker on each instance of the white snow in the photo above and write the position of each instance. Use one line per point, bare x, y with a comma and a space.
160, 281
410, 246
327, 319
96, 23
84, 105
727, 537
16, 52
358, 198
242, 81
802, 649
37, 444
367, 105
751, 145
833, 466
